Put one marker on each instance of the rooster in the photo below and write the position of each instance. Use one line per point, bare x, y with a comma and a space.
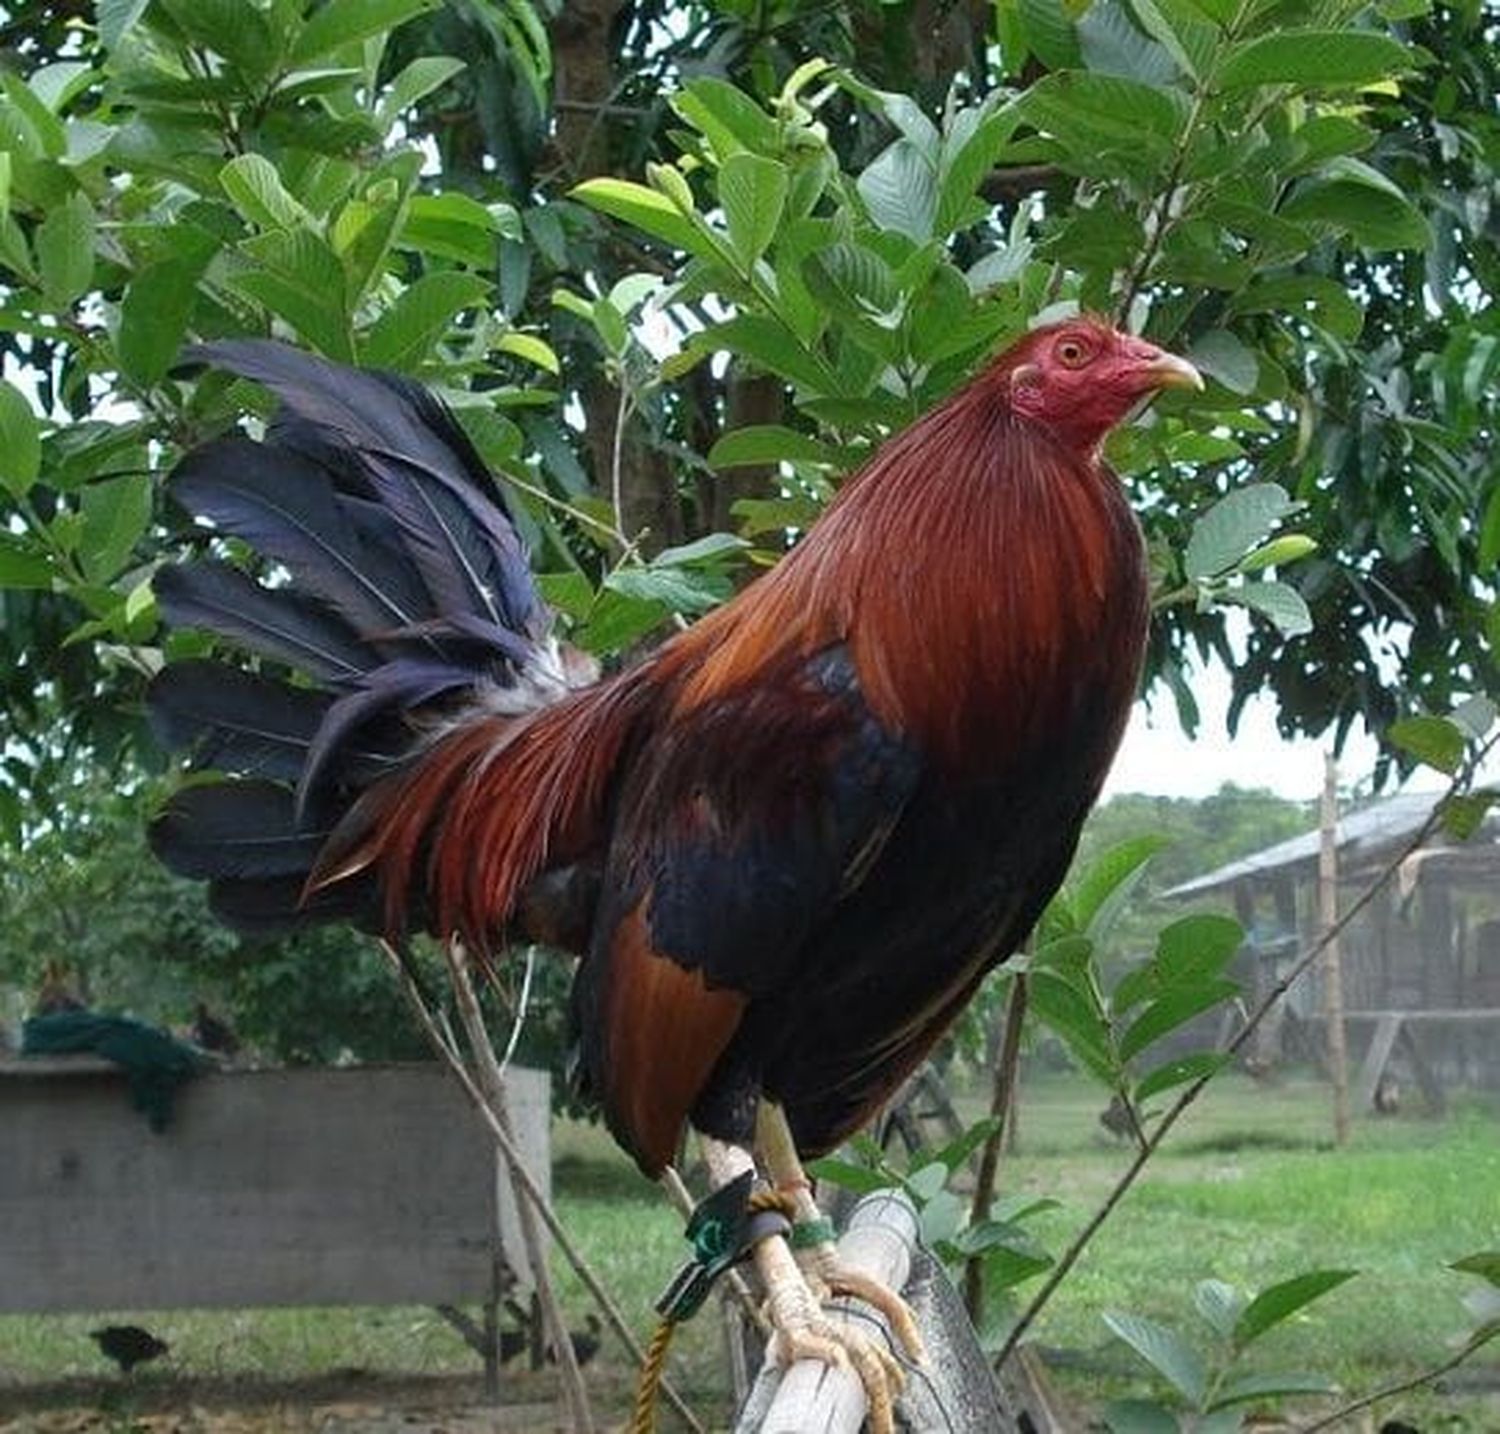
787, 844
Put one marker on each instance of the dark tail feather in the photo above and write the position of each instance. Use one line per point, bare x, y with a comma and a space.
233, 721
384, 437
286, 508
269, 906
242, 828
282, 624
409, 601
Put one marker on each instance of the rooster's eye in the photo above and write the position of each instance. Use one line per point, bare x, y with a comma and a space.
1071, 353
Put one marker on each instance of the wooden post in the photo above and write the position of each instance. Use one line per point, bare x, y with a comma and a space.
1333, 984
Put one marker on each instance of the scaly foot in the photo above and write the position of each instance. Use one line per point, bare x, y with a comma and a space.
801, 1330
821, 1263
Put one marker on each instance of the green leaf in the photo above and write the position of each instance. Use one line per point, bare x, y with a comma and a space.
957, 1152
726, 117
115, 515
1464, 812
1238, 522
65, 251
1278, 1302
116, 18
711, 549
647, 210
1279, 552
1068, 956
1222, 356
1164, 1350
339, 22
23, 566
1489, 533
1375, 216
154, 315
1434, 741
1279, 602
1113, 45
617, 621
764, 443
1174, 1007
533, 349
679, 589
753, 193
1308, 296
404, 335
452, 226
1282, 1385
1220, 1304
1139, 1416
1180, 28
925, 1182
1050, 34
1108, 880
1314, 58
1087, 111
861, 1179
1074, 1017
903, 112
20, 441
900, 190
776, 515
1484, 1263
418, 80
1196, 947
256, 190
852, 280
303, 282
767, 344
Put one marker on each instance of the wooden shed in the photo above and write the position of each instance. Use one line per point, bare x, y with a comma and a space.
1421, 964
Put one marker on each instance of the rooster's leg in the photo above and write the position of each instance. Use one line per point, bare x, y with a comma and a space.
800, 1329
820, 1259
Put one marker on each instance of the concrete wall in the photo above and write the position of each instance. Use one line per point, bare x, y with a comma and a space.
366, 1185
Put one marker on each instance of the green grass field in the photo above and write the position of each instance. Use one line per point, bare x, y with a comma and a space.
1246, 1191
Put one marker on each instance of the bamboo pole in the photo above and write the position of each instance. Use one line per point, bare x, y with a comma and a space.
812, 1397
1333, 976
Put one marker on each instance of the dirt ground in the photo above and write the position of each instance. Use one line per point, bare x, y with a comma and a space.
357, 1404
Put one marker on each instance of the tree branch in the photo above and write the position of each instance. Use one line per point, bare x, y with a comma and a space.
1404, 1386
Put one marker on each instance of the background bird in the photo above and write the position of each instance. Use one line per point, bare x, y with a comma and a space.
213, 1033
787, 844
128, 1345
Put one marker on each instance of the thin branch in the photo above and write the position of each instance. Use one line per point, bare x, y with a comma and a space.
1002, 1101
1190, 1093
492, 1083
447, 1050
1404, 1386
616, 466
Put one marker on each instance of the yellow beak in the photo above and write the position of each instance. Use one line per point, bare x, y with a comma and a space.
1170, 371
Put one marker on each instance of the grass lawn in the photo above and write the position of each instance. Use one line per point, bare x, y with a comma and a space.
1245, 1191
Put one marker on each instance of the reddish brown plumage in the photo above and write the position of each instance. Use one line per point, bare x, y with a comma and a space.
916, 706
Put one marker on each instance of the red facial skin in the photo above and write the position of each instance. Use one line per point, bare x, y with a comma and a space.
1080, 378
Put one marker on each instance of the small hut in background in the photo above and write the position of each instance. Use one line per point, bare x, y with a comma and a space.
1421, 963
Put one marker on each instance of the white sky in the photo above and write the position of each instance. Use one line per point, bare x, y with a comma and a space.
1156, 757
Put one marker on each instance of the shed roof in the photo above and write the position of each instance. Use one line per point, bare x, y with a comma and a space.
1360, 834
